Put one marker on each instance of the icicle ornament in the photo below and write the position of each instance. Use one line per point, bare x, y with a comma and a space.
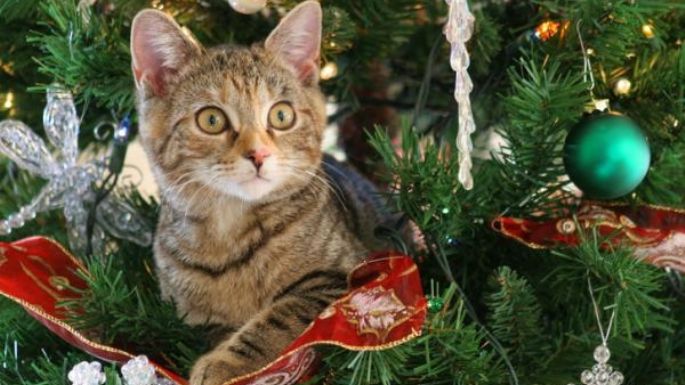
458, 31
69, 182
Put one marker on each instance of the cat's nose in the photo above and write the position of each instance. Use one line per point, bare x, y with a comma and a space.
257, 156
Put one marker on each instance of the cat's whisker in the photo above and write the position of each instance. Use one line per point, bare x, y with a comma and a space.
177, 190
186, 184
317, 181
326, 184
207, 185
181, 177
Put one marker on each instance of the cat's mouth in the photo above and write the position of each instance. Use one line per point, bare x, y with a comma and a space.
256, 180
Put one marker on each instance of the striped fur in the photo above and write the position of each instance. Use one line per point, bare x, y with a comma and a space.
261, 267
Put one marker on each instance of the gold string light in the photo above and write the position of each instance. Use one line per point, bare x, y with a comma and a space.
648, 31
547, 29
622, 87
9, 101
329, 71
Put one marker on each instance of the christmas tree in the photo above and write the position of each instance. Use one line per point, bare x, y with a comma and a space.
560, 232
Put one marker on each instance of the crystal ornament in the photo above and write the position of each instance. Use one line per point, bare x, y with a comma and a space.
123, 221
458, 31
601, 373
87, 373
69, 182
139, 371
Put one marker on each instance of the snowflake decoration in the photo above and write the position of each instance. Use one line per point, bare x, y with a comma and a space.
601, 373
87, 373
69, 182
138, 371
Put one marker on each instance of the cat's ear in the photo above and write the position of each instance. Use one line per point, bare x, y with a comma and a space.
159, 47
297, 40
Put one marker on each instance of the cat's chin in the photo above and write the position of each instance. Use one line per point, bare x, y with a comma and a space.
251, 190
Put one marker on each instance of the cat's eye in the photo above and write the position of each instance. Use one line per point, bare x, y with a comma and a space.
281, 116
212, 120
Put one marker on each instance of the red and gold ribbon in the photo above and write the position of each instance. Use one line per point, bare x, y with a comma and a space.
384, 307
656, 233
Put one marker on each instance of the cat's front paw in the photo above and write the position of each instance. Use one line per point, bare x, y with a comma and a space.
215, 369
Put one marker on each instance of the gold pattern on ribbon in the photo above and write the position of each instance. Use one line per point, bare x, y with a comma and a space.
56, 281
410, 270
566, 226
40, 284
59, 282
3, 257
376, 311
19, 248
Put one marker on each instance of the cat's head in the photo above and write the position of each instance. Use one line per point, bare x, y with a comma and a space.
244, 122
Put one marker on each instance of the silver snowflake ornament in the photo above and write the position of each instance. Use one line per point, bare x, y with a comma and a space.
69, 182
139, 371
87, 373
602, 373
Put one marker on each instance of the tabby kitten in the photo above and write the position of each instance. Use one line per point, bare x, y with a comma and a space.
257, 232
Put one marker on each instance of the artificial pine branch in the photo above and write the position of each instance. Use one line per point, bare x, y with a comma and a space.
515, 317
633, 286
88, 54
531, 90
542, 106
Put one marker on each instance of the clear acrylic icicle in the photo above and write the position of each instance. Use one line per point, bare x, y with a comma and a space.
458, 31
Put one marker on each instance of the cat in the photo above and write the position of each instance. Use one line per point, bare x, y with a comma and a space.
257, 229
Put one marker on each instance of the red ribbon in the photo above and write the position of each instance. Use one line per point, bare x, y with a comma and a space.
384, 307
656, 233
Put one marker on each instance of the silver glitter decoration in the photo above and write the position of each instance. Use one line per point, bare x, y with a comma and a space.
123, 221
601, 373
139, 371
69, 182
87, 373
458, 31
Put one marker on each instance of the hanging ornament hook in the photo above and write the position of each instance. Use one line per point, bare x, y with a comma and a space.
603, 333
587, 64
602, 373
588, 76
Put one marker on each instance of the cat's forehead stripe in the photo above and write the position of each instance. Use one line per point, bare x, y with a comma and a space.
231, 70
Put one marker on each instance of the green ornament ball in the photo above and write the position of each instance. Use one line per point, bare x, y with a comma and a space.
607, 156
435, 304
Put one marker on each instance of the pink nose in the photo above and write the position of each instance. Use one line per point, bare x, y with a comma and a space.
257, 156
